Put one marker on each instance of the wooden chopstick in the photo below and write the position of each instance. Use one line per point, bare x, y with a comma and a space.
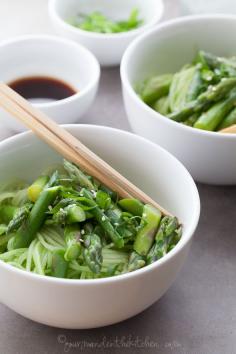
231, 129
43, 133
70, 147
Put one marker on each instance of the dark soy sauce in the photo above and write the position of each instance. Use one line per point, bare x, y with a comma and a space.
42, 89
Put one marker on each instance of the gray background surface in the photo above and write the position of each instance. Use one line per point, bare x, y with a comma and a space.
196, 316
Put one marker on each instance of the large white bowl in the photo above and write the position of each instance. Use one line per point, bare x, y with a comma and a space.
50, 56
94, 303
210, 157
108, 48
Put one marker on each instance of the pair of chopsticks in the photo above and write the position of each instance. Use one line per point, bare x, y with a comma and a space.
69, 147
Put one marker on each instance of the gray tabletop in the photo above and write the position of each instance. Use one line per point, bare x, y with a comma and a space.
196, 315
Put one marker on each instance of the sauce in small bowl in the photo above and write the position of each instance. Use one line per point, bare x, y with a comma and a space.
40, 89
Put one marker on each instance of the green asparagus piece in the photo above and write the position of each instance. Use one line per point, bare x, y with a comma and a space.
215, 115
69, 215
19, 218
166, 233
59, 264
156, 87
213, 94
36, 218
37, 187
133, 206
191, 120
195, 86
53, 181
72, 239
93, 252
150, 220
217, 92
135, 262
179, 88
228, 66
229, 120
103, 220
162, 105
78, 176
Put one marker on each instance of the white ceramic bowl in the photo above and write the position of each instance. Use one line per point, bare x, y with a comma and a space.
108, 48
210, 157
28, 56
100, 302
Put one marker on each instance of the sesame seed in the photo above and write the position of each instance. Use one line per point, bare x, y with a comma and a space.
103, 218
82, 232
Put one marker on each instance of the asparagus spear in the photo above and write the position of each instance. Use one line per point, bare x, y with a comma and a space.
150, 220
215, 115
179, 88
191, 120
135, 262
133, 206
213, 94
161, 105
70, 214
229, 120
93, 252
103, 220
156, 87
228, 66
37, 187
19, 218
166, 232
36, 218
72, 239
195, 86
78, 176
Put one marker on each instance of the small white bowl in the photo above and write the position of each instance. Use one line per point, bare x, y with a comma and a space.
108, 48
209, 156
98, 302
50, 56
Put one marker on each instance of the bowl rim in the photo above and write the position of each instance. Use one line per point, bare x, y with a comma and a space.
94, 35
127, 57
123, 277
60, 41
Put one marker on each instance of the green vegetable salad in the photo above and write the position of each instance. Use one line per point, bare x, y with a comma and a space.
68, 225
